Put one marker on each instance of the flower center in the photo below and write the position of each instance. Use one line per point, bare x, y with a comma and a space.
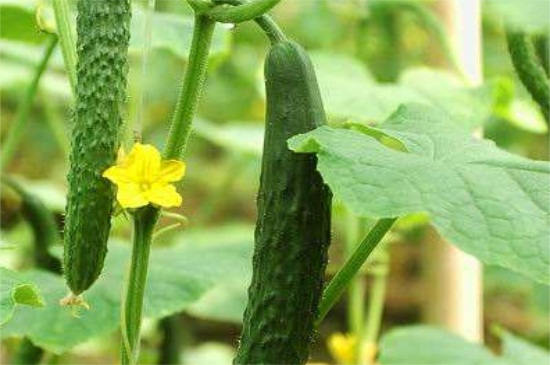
144, 186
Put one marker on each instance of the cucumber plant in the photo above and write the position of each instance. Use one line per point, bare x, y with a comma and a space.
293, 226
102, 48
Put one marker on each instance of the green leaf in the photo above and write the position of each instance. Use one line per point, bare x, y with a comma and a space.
530, 15
242, 137
15, 290
423, 345
19, 22
520, 352
490, 203
173, 33
178, 276
350, 92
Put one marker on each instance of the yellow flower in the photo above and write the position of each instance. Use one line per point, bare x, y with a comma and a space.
142, 178
343, 348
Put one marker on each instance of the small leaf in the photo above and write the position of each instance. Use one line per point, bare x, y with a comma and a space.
488, 202
19, 22
15, 290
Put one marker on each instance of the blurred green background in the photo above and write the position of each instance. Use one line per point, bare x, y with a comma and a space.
370, 56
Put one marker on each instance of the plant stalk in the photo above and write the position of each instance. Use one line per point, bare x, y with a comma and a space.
529, 69
16, 130
344, 276
264, 21
191, 89
242, 12
66, 39
145, 220
375, 309
356, 290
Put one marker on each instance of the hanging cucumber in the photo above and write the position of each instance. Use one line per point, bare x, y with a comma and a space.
102, 48
293, 227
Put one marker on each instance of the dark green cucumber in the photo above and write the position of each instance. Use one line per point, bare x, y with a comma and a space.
293, 226
102, 49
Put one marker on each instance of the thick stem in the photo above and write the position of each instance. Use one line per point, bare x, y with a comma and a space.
191, 89
66, 38
145, 220
241, 13
529, 69
16, 131
344, 276
265, 22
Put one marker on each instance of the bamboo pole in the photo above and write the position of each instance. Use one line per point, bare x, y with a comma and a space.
455, 279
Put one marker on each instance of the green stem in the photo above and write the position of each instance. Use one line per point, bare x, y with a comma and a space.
171, 344
432, 23
66, 39
265, 22
241, 13
529, 69
343, 277
16, 130
376, 306
356, 289
145, 220
191, 89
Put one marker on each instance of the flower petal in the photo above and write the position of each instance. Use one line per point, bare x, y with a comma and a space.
143, 161
130, 196
118, 175
164, 195
171, 170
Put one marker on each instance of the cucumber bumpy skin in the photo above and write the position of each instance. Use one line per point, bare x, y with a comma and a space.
293, 226
102, 48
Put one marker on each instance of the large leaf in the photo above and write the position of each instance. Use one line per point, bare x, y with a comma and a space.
488, 202
15, 290
422, 345
520, 352
350, 92
531, 15
425, 345
178, 276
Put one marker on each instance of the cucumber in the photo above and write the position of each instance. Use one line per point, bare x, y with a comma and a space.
102, 49
293, 226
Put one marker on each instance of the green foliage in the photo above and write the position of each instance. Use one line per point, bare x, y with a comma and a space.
173, 33
178, 276
350, 92
19, 22
488, 202
520, 352
16, 290
530, 15
423, 345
